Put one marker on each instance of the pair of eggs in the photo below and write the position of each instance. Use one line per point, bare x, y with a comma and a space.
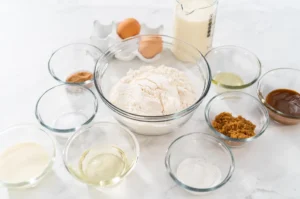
149, 46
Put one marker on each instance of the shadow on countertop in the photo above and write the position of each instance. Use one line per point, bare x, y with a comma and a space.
44, 188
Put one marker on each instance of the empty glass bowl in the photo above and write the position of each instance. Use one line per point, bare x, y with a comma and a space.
237, 103
72, 58
176, 54
66, 107
233, 67
26, 135
281, 78
101, 154
199, 162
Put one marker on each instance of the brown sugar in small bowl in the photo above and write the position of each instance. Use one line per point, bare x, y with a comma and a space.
280, 78
238, 104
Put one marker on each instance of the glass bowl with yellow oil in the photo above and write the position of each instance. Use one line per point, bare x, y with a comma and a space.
102, 154
233, 67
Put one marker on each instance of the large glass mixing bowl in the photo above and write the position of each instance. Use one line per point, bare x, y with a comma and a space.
176, 54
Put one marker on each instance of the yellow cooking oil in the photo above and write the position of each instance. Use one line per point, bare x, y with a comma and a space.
228, 79
103, 166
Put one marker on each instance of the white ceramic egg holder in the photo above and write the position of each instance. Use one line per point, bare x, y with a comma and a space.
105, 35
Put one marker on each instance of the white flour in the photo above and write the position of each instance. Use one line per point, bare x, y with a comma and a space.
153, 91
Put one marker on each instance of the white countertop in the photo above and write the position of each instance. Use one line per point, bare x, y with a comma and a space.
265, 169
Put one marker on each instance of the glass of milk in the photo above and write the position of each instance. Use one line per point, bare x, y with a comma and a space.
194, 22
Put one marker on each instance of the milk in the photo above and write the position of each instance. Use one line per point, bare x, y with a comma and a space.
194, 23
23, 162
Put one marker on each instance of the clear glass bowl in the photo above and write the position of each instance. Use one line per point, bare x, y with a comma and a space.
176, 54
28, 133
73, 58
281, 78
236, 60
66, 107
237, 103
203, 151
92, 142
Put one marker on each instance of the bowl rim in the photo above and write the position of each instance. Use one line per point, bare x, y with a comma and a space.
83, 129
240, 49
265, 111
50, 67
46, 170
263, 100
159, 118
226, 179
69, 130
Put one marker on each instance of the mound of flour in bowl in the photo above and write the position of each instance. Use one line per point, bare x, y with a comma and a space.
153, 91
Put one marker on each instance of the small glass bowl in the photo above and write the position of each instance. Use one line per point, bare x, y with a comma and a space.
95, 140
200, 149
237, 103
65, 108
28, 133
280, 78
233, 60
72, 58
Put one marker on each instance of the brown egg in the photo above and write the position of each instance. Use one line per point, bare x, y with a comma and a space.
150, 46
128, 28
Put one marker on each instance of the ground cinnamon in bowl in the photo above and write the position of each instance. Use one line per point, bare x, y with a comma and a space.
233, 127
79, 77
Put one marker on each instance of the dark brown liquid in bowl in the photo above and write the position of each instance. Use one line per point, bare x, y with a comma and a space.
285, 100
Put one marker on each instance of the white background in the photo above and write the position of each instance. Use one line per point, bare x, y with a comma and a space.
31, 30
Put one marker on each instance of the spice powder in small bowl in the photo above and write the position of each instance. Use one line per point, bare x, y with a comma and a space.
233, 127
79, 77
